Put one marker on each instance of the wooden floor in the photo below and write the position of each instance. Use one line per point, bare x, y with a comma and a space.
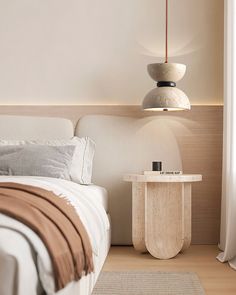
216, 278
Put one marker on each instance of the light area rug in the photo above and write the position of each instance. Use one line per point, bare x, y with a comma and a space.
148, 283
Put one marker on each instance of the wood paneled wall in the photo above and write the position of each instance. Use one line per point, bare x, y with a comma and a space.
201, 151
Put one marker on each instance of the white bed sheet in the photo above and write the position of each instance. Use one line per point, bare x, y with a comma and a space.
99, 193
24, 255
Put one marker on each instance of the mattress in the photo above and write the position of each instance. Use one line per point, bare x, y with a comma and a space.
24, 258
99, 194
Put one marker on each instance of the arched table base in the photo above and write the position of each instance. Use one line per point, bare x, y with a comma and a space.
161, 213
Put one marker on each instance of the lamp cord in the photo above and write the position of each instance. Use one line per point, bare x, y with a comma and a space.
166, 51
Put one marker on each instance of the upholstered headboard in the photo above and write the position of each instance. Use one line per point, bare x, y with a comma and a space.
198, 133
125, 145
22, 127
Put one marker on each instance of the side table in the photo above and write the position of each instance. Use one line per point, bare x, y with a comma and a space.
161, 213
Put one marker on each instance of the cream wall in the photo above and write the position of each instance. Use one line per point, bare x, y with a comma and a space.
96, 51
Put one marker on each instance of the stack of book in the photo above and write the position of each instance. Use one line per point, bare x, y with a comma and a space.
162, 172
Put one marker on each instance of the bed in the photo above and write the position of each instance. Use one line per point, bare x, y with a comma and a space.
25, 266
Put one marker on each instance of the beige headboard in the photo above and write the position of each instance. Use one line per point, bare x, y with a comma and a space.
198, 134
125, 145
22, 127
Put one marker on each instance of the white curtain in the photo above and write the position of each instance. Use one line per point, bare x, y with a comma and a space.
228, 213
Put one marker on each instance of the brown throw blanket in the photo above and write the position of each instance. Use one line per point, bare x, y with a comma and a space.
56, 223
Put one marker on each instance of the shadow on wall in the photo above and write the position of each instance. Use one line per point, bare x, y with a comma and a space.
129, 145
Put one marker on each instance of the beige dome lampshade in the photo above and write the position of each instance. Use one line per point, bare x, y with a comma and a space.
166, 97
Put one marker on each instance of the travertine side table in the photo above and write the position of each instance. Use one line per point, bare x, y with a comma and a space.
161, 213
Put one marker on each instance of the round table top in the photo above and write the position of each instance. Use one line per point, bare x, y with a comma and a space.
162, 178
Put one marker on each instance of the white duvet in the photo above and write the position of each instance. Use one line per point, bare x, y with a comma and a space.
91, 212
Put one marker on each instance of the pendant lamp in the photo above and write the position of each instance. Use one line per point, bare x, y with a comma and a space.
166, 96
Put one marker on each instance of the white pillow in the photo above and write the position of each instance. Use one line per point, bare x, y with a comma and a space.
82, 160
